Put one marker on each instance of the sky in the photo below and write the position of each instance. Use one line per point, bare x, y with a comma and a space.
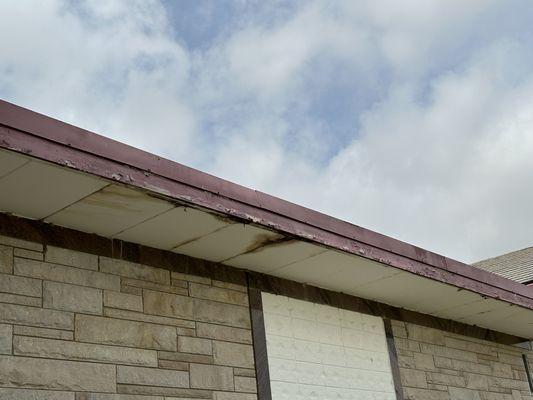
413, 118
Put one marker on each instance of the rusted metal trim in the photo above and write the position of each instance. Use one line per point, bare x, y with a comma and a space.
52, 235
262, 372
67, 145
495, 287
393, 357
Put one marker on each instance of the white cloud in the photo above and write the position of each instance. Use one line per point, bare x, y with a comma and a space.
437, 152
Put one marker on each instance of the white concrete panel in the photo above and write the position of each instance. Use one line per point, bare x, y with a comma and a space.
414, 292
109, 211
10, 161
335, 270
320, 352
37, 189
172, 228
269, 258
477, 308
227, 242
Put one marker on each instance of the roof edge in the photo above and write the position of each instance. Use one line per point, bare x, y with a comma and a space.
48, 139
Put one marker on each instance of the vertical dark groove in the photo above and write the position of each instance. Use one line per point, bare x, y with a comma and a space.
528, 372
259, 342
393, 356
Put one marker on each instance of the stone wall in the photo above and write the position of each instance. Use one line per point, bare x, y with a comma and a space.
75, 326
437, 365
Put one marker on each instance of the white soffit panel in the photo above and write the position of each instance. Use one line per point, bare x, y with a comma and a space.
10, 162
227, 242
173, 227
415, 292
268, 258
471, 310
320, 352
109, 211
37, 189
336, 271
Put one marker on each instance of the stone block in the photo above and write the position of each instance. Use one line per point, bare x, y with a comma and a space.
190, 278
413, 378
109, 396
469, 346
20, 285
68, 350
134, 270
152, 377
225, 333
155, 319
177, 365
245, 384
37, 373
6, 259
6, 338
23, 253
425, 394
211, 377
244, 372
166, 304
140, 284
220, 313
64, 274
424, 361
185, 357
446, 379
123, 300
62, 296
423, 334
443, 351
194, 345
463, 394
218, 294
42, 332
127, 333
73, 258
475, 381
234, 396
229, 285
23, 244
233, 354
29, 394
32, 316
22, 300
170, 393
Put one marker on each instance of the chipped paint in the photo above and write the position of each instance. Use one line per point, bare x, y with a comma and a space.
27, 132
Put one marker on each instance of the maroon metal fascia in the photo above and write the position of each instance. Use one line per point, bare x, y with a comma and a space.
39, 136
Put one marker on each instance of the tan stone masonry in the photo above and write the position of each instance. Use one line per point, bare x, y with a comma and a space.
76, 326
437, 365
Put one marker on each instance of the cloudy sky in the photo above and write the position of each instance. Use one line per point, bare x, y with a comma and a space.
410, 117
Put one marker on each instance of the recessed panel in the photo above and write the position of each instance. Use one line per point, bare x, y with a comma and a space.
109, 211
37, 189
173, 227
321, 352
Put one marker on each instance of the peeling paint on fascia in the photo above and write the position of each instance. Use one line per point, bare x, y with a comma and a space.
67, 163
122, 178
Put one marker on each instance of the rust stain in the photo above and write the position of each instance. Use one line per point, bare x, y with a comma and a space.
263, 240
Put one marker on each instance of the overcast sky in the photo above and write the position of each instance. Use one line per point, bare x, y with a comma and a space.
410, 117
